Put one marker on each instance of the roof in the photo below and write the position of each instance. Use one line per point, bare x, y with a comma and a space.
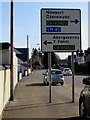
4, 45
21, 53
24, 54
4, 66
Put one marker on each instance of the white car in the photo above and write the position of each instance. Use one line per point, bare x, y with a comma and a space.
56, 77
67, 71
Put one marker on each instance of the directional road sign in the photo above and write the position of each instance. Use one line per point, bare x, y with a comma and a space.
60, 30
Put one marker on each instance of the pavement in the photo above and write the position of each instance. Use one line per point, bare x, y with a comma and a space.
31, 102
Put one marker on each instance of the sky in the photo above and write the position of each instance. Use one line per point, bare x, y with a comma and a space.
27, 21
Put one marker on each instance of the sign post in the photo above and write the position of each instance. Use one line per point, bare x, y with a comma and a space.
49, 67
73, 77
61, 32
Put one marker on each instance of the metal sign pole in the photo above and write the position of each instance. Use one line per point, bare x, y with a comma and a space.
49, 66
73, 77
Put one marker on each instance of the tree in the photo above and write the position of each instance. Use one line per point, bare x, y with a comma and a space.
34, 52
36, 58
55, 59
42, 60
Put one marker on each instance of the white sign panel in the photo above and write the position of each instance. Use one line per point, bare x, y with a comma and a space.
60, 30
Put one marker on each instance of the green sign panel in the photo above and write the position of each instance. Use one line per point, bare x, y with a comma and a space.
57, 23
63, 47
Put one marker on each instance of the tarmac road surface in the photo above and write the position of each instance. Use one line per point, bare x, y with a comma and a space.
31, 99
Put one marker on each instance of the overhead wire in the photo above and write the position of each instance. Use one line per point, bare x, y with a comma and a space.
23, 19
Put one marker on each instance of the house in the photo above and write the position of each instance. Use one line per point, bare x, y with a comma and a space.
5, 74
80, 58
87, 55
5, 71
4, 53
81, 61
5, 59
22, 54
70, 61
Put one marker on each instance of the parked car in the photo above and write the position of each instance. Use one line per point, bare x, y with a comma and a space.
67, 71
56, 77
62, 68
84, 99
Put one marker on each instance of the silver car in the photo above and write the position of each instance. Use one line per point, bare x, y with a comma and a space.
56, 77
84, 100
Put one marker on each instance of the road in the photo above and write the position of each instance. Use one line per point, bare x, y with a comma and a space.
32, 99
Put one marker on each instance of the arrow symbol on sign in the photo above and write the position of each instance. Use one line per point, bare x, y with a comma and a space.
74, 21
47, 42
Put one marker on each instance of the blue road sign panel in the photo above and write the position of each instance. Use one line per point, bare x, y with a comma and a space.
53, 29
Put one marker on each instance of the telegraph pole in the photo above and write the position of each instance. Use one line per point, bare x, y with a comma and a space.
12, 49
27, 55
